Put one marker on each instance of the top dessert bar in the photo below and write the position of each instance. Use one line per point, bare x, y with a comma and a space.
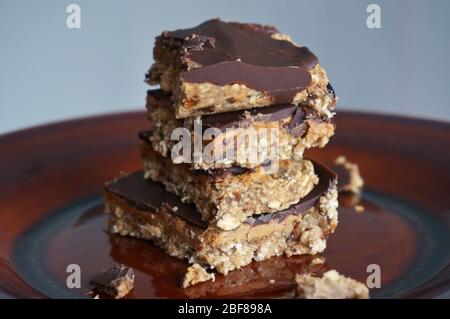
226, 66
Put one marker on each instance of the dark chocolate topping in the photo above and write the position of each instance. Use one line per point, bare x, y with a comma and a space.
236, 118
331, 89
150, 196
216, 41
343, 175
160, 96
297, 126
244, 53
108, 278
241, 118
222, 173
281, 83
145, 136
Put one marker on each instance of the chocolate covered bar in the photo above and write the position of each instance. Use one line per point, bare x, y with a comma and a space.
246, 138
222, 66
144, 209
226, 197
115, 282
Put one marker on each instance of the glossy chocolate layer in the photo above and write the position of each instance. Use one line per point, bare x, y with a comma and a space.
107, 281
241, 118
152, 197
225, 53
343, 174
295, 127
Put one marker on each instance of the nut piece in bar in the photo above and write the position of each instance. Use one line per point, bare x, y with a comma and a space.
115, 282
195, 274
349, 178
144, 209
331, 285
222, 66
226, 197
245, 138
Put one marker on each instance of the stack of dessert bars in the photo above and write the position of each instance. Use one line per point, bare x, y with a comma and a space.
225, 181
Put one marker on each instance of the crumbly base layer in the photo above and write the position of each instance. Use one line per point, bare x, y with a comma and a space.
226, 201
272, 140
331, 285
227, 250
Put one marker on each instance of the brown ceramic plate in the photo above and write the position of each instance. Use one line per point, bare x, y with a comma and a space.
51, 216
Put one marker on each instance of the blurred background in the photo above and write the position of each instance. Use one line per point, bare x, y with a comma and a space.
49, 72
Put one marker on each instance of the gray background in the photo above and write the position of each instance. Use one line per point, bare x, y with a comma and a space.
49, 72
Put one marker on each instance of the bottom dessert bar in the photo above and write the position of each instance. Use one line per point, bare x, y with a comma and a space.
144, 209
